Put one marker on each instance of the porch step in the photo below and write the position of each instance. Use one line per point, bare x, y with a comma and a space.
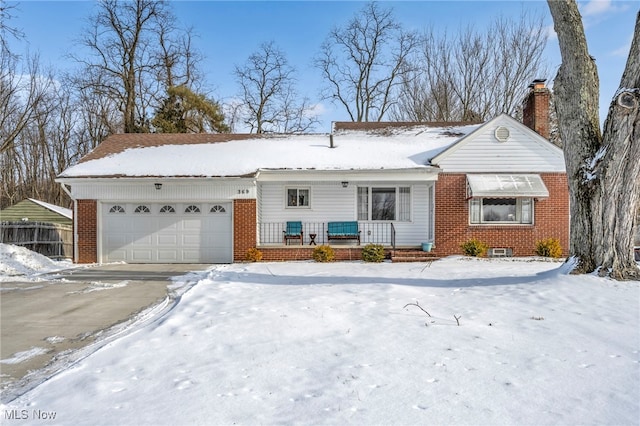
409, 255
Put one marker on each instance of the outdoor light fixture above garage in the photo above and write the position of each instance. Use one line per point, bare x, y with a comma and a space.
158, 186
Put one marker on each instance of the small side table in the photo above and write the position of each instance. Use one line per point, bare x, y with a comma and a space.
312, 239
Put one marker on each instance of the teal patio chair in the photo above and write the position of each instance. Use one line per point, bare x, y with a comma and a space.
293, 231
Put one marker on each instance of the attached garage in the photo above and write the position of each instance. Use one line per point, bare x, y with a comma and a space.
152, 232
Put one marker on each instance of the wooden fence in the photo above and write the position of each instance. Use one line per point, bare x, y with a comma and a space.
49, 239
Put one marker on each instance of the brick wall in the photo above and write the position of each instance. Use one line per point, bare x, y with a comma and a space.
87, 228
288, 253
244, 227
551, 218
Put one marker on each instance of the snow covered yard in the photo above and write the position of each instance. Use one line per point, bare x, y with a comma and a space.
20, 264
309, 343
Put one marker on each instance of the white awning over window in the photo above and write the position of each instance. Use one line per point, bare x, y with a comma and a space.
506, 186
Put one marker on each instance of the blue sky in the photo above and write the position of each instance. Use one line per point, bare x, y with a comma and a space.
229, 31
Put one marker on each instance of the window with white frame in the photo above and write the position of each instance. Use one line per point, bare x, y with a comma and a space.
384, 203
501, 210
298, 197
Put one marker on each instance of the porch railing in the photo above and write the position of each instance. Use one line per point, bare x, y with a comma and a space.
393, 237
271, 233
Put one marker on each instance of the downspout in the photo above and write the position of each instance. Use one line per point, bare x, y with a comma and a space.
75, 222
258, 209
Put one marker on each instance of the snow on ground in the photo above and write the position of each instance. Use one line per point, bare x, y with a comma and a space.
310, 343
21, 264
23, 356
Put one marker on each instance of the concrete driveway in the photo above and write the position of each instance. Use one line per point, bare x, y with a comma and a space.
43, 322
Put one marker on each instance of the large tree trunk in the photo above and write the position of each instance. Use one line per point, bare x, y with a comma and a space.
603, 169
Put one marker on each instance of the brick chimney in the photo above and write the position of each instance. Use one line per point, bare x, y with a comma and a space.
535, 114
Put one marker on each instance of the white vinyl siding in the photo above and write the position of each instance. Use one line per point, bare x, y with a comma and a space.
419, 229
481, 152
173, 190
332, 202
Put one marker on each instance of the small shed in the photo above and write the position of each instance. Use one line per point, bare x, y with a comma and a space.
41, 227
32, 210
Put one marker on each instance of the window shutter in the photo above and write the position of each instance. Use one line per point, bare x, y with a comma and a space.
363, 203
404, 204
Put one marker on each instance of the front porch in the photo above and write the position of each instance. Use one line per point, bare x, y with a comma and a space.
275, 247
315, 233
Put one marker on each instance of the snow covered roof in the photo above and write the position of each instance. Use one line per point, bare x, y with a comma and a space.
68, 213
394, 146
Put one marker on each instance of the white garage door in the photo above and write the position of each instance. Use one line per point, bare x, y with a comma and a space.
166, 232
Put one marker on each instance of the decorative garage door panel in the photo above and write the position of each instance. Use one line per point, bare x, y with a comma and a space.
167, 232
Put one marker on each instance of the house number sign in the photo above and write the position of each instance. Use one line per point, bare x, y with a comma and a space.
243, 191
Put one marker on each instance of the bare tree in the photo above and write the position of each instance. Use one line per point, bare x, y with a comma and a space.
39, 151
6, 30
426, 92
138, 54
177, 57
270, 102
21, 91
473, 75
473, 71
27, 100
521, 45
603, 168
100, 115
364, 61
118, 38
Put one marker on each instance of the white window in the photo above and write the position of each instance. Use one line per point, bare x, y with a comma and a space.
192, 209
384, 203
217, 209
167, 209
298, 197
142, 209
116, 209
501, 210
